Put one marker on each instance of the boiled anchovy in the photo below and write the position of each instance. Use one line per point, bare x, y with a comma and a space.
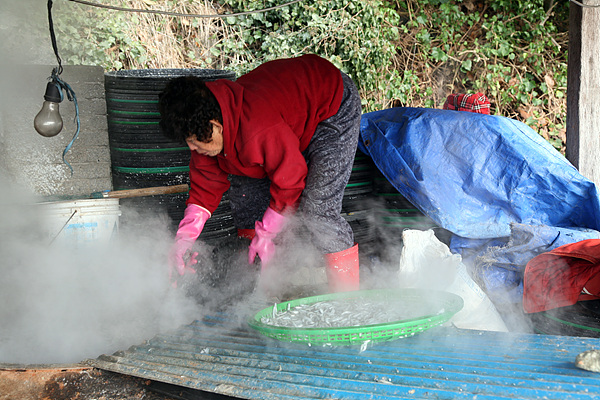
342, 313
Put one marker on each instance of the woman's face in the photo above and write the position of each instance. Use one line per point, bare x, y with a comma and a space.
212, 148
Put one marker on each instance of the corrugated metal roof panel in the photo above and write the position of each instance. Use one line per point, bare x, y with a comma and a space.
227, 357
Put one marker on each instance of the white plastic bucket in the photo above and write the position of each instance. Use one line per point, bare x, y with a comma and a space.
81, 222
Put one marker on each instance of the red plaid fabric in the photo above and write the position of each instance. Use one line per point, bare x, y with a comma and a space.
563, 276
477, 103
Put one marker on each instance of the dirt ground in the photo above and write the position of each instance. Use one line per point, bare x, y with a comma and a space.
74, 383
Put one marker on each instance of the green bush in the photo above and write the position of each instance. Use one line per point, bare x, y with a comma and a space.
357, 36
513, 51
93, 36
415, 53
402, 53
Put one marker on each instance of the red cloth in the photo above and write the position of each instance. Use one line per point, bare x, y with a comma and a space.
562, 277
269, 117
246, 233
477, 103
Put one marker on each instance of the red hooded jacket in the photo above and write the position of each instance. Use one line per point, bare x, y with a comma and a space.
269, 117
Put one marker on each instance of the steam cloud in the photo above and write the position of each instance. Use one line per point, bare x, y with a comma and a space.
62, 304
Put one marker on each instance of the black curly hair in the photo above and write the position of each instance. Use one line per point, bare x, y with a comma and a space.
186, 108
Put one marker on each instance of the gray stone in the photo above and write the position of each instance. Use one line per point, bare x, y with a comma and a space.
588, 360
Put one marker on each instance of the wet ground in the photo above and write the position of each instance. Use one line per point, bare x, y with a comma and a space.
74, 383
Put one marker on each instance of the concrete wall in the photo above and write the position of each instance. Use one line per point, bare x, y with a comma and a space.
34, 161
26, 158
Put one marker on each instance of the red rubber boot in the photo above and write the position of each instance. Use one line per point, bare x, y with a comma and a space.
342, 270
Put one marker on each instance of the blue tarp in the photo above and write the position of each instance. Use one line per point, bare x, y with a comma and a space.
475, 174
499, 263
501, 189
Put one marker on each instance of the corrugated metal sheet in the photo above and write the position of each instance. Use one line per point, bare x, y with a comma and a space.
226, 357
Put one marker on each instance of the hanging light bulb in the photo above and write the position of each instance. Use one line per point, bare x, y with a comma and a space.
48, 121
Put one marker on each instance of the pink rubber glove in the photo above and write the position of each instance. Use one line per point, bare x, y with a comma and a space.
266, 230
181, 258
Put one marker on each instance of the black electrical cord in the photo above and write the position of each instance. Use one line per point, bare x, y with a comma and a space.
584, 5
174, 14
62, 85
59, 70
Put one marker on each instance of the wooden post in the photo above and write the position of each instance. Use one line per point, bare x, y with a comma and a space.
583, 89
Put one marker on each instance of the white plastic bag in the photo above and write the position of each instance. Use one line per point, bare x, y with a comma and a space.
427, 263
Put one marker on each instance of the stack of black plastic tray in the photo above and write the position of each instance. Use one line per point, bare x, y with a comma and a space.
357, 203
581, 319
141, 156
